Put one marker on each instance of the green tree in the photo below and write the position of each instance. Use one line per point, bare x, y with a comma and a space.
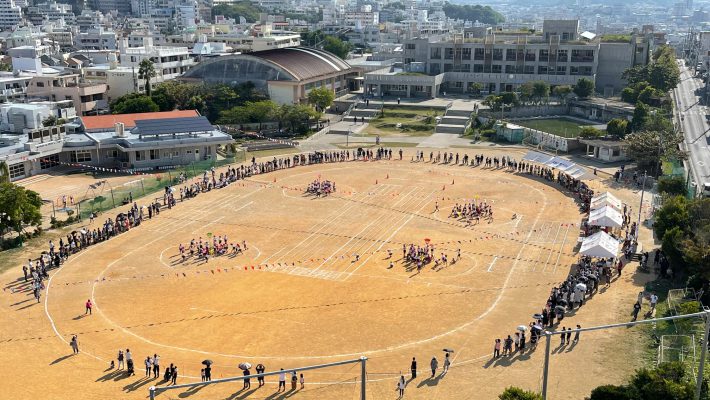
617, 127
674, 185
629, 95
540, 91
516, 393
262, 111
648, 148
509, 98
245, 9
590, 132
526, 92
4, 172
612, 392
198, 103
337, 46
640, 118
133, 103
467, 12
51, 120
146, 71
673, 213
475, 88
584, 88
493, 101
664, 74
19, 207
562, 92
321, 98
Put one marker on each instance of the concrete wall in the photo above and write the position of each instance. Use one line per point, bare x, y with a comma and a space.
614, 58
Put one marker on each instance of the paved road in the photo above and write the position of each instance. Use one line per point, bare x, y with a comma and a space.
695, 127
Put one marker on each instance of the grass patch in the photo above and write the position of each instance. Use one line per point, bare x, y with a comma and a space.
367, 145
557, 126
271, 152
413, 121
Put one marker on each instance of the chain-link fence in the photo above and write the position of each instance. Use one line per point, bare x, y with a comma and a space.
105, 196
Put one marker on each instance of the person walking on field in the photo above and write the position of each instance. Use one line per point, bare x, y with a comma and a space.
260, 369
447, 363
401, 385
496, 349
88, 307
74, 343
174, 374
576, 334
434, 365
148, 366
414, 368
120, 359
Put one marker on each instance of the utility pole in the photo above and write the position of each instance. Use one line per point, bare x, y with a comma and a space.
638, 222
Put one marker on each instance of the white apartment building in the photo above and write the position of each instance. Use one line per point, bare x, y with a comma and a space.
13, 88
98, 38
10, 14
27, 58
169, 62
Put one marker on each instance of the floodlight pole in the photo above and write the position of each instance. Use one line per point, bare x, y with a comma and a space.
703, 355
545, 369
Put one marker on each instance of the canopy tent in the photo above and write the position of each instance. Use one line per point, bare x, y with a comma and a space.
606, 199
601, 244
566, 166
606, 216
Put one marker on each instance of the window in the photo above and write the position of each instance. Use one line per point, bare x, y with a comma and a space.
17, 171
542, 70
497, 69
112, 153
582, 55
544, 55
510, 69
40, 84
562, 55
140, 155
49, 161
80, 156
510, 55
449, 53
436, 53
466, 54
154, 154
448, 67
498, 54
561, 70
458, 84
478, 54
477, 67
529, 55
529, 69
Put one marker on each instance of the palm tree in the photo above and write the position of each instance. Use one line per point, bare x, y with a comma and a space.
146, 71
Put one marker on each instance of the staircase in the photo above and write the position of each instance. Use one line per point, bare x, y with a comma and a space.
454, 121
363, 111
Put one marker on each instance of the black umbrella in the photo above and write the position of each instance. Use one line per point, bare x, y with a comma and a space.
207, 362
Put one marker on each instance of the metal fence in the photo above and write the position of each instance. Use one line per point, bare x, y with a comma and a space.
153, 391
105, 196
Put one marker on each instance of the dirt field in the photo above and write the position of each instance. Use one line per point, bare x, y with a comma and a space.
298, 296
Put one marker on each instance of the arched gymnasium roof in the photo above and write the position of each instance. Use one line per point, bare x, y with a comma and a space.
291, 63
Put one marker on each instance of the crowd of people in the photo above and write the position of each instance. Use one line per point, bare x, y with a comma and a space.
320, 188
472, 211
569, 295
202, 249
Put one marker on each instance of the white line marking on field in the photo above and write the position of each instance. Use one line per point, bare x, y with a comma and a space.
490, 267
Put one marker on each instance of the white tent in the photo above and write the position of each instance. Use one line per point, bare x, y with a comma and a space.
558, 163
606, 216
604, 199
600, 244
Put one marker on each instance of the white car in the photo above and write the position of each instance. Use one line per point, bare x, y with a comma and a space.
706, 189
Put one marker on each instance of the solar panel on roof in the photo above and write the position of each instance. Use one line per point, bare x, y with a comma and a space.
170, 126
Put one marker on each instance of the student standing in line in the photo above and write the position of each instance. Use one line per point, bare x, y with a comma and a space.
282, 380
496, 349
260, 369
414, 368
302, 380
174, 374
156, 365
576, 334
434, 365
